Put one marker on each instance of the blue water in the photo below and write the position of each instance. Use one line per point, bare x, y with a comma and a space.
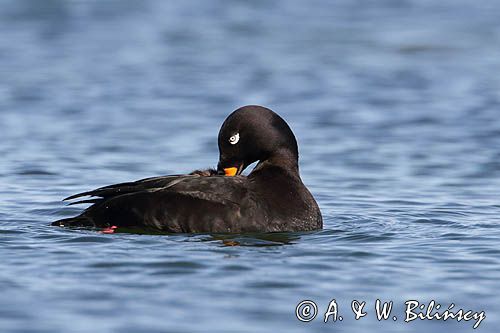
396, 108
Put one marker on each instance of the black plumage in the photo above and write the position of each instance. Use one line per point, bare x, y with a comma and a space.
271, 198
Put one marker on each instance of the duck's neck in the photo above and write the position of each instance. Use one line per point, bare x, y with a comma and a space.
283, 159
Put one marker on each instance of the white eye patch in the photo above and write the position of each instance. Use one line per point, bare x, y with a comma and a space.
234, 139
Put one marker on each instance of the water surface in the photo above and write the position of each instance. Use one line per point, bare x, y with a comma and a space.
395, 105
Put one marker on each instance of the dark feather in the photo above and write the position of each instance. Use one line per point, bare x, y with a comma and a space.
140, 185
92, 201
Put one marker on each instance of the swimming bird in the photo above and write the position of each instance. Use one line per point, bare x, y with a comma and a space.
272, 198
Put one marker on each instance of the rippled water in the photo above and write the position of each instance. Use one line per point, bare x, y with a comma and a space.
395, 105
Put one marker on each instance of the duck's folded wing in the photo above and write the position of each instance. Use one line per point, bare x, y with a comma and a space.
191, 204
136, 186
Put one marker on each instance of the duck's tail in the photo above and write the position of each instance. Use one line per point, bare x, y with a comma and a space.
78, 221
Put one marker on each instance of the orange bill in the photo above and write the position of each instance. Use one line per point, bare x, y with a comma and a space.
230, 171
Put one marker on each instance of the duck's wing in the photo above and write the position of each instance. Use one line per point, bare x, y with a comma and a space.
136, 186
190, 204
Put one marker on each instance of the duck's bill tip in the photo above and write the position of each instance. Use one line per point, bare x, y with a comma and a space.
231, 171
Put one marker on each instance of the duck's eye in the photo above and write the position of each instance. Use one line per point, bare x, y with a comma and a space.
234, 139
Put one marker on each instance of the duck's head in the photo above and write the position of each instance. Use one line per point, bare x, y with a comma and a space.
255, 133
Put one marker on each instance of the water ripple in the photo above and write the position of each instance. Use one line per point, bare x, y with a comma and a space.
395, 107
